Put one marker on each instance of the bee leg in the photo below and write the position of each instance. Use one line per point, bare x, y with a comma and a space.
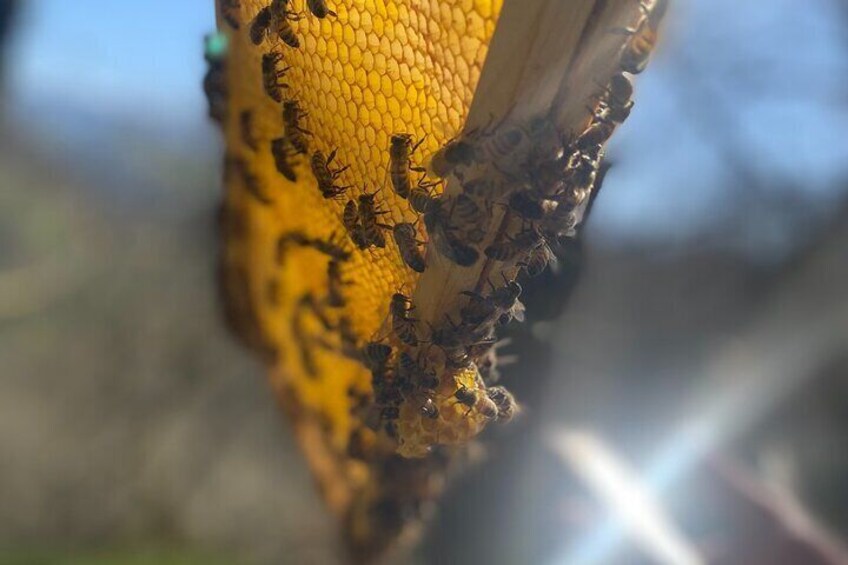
417, 144
427, 185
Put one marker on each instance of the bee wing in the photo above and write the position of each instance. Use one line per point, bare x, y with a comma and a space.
518, 311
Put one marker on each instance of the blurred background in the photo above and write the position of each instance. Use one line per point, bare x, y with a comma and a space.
684, 375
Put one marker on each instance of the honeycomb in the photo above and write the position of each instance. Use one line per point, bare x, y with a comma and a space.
375, 69
296, 285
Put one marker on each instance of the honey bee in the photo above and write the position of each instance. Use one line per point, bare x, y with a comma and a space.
326, 176
458, 152
407, 367
229, 10
428, 409
454, 248
421, 200
613, 113
466, 211
403, 324
643, 37
466, 396
560, 222
501, 146
254, 186
271, 76
544, 179
407, 242
526, 206
368, 215
506, 300
239, 167
284, 241
470, 398
594, 136
345, 330
357, 235
620, 90
442, 235
335, 284
246, 129
282, 151
483, 344
508, 249
375, 355
350, 221
331, 247
478, 188
309, 302
296, 134
400, 154
386, 391
260, 25
410, 370
282, 23
447, 338
505, 403
462, 343
307, 358
581, 173
475, 235
616, 101
544, 141
538, 260
319, 8
350, 216
480, 312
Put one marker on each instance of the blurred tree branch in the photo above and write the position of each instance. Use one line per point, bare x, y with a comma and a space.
8, 17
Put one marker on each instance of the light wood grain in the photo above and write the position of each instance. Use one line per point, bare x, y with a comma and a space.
547, 58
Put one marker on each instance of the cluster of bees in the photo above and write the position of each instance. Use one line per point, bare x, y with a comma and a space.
526, 184
522, 190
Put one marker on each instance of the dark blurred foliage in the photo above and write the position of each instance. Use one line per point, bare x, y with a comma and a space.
8, 12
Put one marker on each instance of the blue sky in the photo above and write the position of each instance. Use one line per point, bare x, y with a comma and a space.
776, 66
128, 57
